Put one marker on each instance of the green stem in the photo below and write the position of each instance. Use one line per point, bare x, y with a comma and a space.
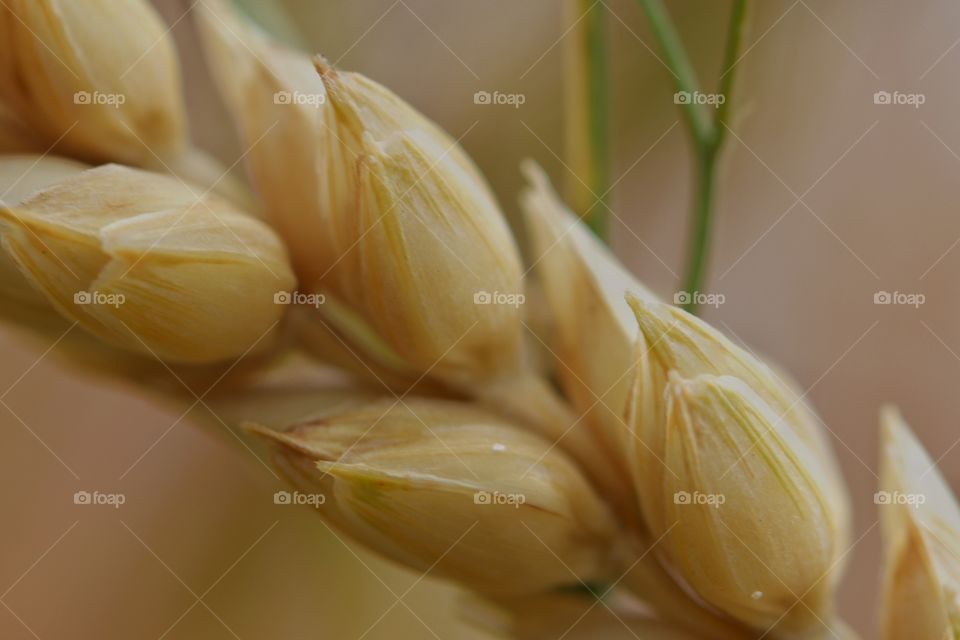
699, 247
598, 89
735, 32
685, 76
708, 132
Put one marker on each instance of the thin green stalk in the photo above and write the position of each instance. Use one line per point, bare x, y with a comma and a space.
598, 90
700, 230
735, 32
685, 76
708, 132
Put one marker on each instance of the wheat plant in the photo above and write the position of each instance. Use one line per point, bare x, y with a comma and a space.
583, 458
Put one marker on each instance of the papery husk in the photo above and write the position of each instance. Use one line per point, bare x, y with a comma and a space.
56, 49
403, 479
416, 235
189, 280
594, 329
671, 339
100, 81
921, 583
282, 140
767, 550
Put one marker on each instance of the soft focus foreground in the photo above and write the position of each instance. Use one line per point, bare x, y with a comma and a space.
815, 347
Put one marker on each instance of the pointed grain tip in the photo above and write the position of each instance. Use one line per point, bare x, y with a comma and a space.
324, 67
891, 421
287, 440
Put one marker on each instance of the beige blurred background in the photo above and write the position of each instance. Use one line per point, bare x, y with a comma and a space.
825, 199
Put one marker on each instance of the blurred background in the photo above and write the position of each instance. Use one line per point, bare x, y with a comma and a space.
825, 199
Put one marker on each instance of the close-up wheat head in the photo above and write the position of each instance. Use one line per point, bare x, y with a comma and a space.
273, 309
